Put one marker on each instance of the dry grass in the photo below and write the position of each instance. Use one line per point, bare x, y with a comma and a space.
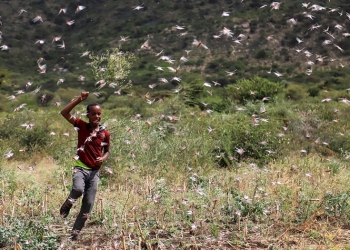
189, 209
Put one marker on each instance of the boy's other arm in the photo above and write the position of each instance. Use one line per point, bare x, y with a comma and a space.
105, 155
100, 160
67, 109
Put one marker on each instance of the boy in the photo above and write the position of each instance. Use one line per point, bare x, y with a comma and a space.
92, 151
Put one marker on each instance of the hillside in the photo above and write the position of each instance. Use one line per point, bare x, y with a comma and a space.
289, 41
234, 133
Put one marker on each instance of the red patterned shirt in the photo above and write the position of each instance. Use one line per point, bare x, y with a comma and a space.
91, 143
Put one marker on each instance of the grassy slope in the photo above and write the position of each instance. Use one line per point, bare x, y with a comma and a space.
100, 26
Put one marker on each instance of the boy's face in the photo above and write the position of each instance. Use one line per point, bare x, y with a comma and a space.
94, 115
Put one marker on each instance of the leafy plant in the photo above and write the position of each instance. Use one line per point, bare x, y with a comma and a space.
337, 204
29, 234
112, 66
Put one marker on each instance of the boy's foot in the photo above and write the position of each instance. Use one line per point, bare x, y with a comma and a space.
65, 208
74, 235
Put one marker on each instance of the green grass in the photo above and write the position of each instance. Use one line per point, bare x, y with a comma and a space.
183, 181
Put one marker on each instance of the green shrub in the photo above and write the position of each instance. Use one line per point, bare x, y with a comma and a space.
252, 89
35, 139
212, 67
246, 207
262, 54
295, 92
260, 141
337, 204
26, 132
29, 234
313, 91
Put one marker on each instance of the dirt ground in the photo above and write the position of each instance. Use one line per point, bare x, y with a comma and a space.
318, 235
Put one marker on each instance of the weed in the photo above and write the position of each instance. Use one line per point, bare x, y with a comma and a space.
29, 234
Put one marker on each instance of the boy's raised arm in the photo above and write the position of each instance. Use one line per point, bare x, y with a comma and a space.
65, 112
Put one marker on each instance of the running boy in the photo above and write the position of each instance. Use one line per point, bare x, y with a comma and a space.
92, 151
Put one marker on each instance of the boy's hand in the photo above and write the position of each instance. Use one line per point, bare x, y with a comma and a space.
98, 161
84, 95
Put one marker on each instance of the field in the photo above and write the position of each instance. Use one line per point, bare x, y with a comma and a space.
226, 132
263, 174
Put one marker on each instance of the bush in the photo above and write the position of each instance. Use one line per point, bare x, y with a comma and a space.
261, 54
253, 25
35, 138
29, 234
26, 132
336, 204
5, 78
259, 141
252, 89
313, 91
212, 67
295, 92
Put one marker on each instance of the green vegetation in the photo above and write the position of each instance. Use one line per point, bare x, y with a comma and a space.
112, 66
99, 29
183, 168
203, 158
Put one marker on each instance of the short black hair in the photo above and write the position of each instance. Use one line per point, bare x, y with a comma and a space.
91, 105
